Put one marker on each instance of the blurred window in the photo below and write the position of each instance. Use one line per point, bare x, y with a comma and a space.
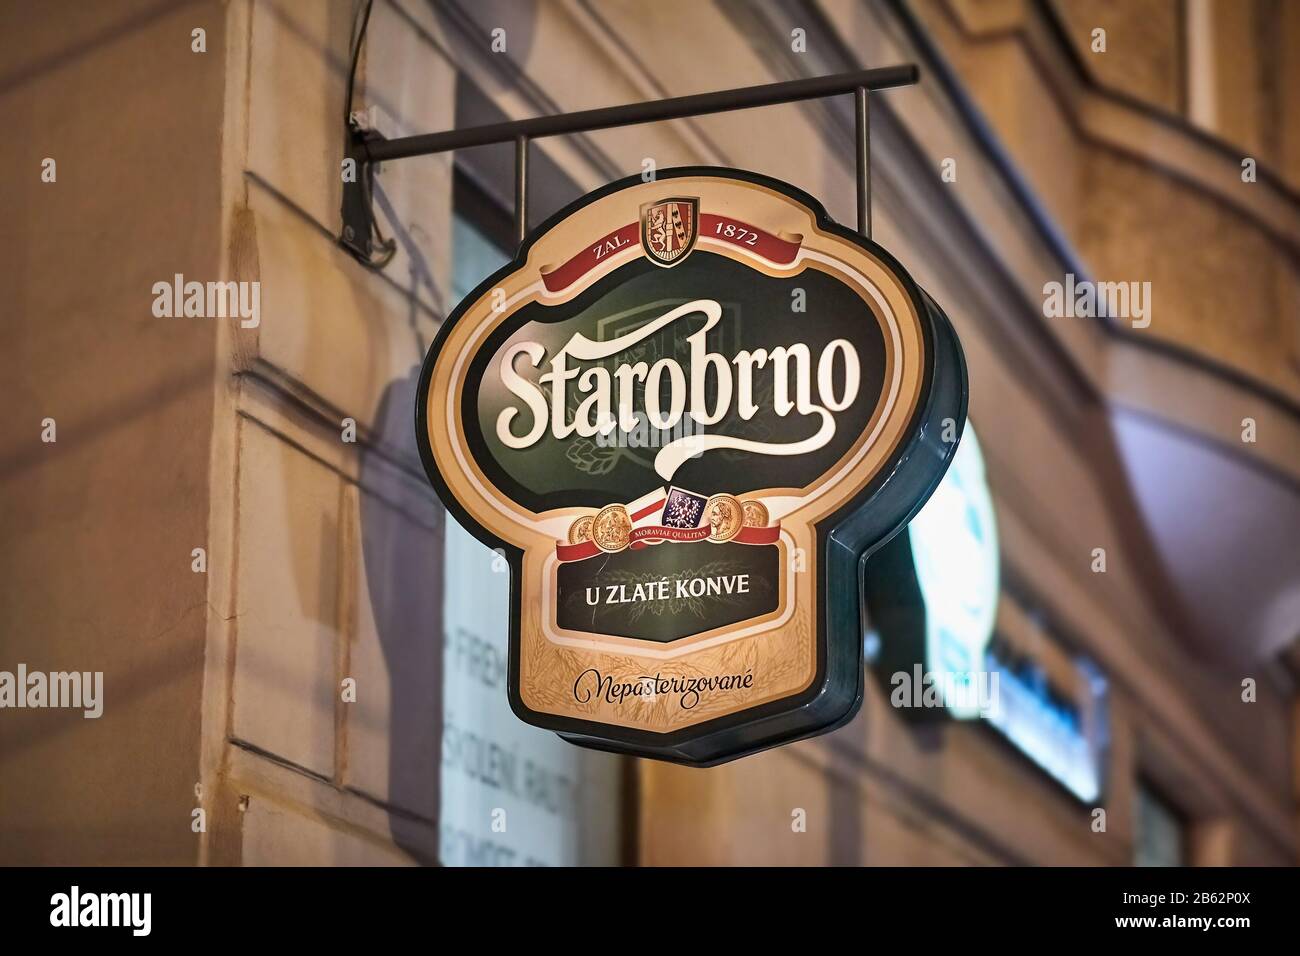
474, 257
1161, 837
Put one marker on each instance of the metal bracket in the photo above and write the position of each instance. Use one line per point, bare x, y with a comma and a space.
358, 192
367, 147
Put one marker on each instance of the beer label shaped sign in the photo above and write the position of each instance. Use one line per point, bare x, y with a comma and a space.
685, 414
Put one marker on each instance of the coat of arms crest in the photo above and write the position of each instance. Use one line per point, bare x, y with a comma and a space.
668, 229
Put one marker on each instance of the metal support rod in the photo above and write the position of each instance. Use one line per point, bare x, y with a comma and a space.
862, 130
651, 111
521, 187
368, 148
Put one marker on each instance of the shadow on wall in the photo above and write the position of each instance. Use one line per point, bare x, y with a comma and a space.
402, 548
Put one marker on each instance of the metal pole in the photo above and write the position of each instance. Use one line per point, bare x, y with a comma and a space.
521, 187
648, 112
862, 124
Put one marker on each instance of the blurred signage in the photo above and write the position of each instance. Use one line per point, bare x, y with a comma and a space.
932, 600
932, 597
955, 549
1063, 731
682, 416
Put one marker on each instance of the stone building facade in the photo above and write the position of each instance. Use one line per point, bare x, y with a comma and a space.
324, 682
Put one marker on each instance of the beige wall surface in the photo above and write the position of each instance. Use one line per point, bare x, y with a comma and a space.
345, 568
98, 526
329, 557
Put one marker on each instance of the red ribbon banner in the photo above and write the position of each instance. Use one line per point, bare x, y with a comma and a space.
734, 232
577, 267
744, 236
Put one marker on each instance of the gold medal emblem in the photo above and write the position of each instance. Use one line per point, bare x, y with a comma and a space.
611, 529
755, 514
725, 516
580, 530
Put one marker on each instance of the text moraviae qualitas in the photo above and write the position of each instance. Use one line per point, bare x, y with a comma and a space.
795, 389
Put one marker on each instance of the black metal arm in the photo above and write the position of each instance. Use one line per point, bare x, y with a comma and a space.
368, 147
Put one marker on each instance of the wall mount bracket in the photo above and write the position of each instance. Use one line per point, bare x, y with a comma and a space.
366, 147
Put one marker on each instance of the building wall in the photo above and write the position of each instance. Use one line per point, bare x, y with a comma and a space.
1105, 139
98, 526
287, 449
345, 717
1142, 193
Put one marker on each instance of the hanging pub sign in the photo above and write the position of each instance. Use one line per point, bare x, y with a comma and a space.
685, 414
